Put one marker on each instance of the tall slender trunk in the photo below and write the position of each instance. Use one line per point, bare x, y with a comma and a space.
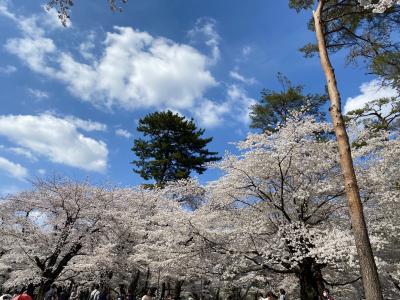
369, 271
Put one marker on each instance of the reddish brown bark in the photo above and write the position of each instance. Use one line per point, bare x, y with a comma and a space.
369, 273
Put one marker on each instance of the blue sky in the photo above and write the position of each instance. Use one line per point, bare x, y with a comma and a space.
71, 97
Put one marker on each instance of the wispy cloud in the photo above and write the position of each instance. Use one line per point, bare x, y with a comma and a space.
239, 77
205, 31
246, 51
86, 47
235, 108
23, 152
86, 125
38, 94
12, 169
124, 133
9, 69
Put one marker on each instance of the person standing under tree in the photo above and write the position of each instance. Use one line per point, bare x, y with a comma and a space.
282, 294
51, 294
94, 295
148, 295
27, 293
326, 295
271, 296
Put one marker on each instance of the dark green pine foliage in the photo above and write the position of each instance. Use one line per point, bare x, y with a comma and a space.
370, 38
171, 149
276, 107
379, 114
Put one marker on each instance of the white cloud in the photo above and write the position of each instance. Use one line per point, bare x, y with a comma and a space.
38, 94
23, 152
138, 70
13, 169
85, 50
41, 171
56, 139
204, 31
235, 108
246, 50
124, 133
135, 70
370, 91
19, 151
86, 47
9, 69
241, 102
86, 125
4, 11
33, 48
239, 77
211, 114
33, 51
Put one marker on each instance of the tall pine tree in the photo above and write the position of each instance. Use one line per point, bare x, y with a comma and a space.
275, 107
171, 149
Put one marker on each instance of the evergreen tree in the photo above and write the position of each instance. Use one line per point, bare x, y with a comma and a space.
369, 37
379, 114
276, 107
172, 147
338, 25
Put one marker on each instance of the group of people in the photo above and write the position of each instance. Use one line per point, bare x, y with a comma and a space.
282, 295
27, 293
271, 296
96, 293
60, 293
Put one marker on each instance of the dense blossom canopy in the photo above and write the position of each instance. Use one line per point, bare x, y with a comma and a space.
278, 210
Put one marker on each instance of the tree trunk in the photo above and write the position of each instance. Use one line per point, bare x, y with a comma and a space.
43, 288
246, 292
217, 294
178, 289
162, 293
146, 283
369, 271
310, 277
134, 283
168, 289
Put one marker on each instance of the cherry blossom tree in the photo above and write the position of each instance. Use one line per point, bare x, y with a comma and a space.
48, 227
280, 212
63, 8
380, 6
378, 147
277, 218
271, 213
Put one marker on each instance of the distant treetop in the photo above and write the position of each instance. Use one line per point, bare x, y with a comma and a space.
276, 107
171, 148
